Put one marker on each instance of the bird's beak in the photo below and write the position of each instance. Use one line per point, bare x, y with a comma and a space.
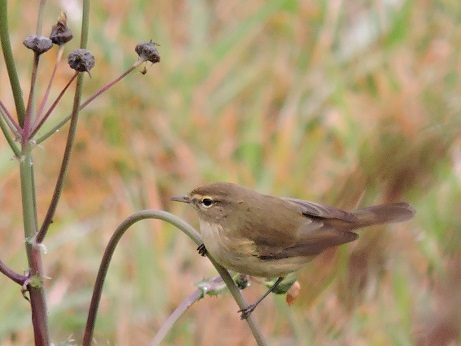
184, 199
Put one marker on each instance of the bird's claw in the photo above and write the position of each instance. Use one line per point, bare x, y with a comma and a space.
246, 312
202, 250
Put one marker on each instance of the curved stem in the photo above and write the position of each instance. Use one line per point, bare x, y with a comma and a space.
189, 231
10, 273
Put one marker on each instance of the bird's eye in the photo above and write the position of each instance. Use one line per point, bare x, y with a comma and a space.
207, 202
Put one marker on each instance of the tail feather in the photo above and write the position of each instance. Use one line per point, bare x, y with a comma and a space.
387, 213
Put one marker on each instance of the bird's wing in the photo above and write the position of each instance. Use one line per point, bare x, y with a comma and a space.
323, 227
274, 239
322, 211
312, 243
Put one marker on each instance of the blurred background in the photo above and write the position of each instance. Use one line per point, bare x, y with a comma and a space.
343, 103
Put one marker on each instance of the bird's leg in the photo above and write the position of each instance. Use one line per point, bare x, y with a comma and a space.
245, 312
202, 250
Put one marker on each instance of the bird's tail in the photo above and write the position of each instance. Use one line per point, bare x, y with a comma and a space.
386, 213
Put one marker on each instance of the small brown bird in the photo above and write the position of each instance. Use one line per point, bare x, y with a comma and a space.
271, 237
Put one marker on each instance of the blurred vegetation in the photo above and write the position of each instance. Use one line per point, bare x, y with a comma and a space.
345, 103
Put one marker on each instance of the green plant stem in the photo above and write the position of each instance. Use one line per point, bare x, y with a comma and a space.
35, 288
10, 64
39, 27
189, 231
85, 24
7, 134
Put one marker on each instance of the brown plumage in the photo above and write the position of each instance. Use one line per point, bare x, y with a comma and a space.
267, 236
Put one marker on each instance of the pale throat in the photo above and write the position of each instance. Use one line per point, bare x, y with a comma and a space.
216, 242
209, 230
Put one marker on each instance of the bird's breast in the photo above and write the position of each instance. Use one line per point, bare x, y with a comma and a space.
238, 253
226, 249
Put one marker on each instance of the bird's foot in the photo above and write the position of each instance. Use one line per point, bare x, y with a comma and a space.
202, 250
246, 312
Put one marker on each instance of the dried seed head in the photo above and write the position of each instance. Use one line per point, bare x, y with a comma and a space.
39, 44
81, 60
147, 51
60, 33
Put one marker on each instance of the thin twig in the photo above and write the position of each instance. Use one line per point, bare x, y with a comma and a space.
72, 130
30, 110
10, 273
53, 106
7, 134
212, 286
13, 125
174, 317
84, 104
64, 164
50, 83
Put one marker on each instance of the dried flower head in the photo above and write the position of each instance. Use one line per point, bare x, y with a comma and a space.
147, 51
60, 33
81, 60
39, 44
